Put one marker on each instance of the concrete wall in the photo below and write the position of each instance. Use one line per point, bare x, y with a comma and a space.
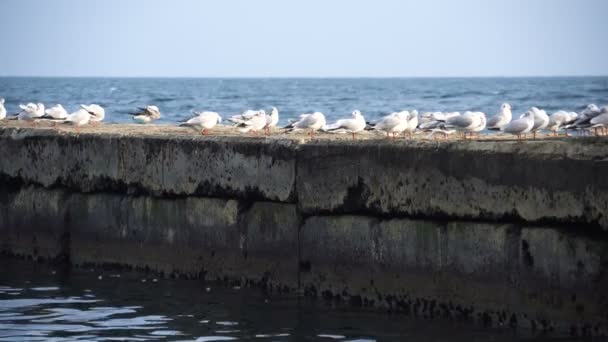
559, 181
459, 229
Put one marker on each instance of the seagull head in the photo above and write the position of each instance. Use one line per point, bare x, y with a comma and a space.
505, 106
1, 100
528, 115
274, 111
356, 113
592, 107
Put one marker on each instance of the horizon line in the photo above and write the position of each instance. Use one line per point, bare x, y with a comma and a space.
299, 77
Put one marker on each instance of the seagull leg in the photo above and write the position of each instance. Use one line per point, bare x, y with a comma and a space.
353, 133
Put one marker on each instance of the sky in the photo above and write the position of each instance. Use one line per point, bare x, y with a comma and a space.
303, 38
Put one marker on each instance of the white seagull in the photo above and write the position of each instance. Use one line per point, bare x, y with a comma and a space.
560, 119
56, 112
520, 126
97, 112
352, 125
2, 109
468, 122
541, 120
204, 120
501, 119
146, 114
313, 122
412, 123
245, 116
78, 118
394, 123
30, 111
255, 123
272, 120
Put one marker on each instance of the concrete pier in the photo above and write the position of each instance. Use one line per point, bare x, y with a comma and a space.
498, 230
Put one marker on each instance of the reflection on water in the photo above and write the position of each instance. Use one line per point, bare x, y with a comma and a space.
39, 304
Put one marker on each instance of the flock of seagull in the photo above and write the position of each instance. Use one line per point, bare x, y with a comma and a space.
591, 119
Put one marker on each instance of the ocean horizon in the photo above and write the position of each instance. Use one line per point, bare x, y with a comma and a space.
337, 97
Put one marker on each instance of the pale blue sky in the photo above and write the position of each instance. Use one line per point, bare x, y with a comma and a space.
313, 38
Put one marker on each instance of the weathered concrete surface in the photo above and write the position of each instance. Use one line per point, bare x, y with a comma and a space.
197, 237
504, 273
161, 166
557, 181
535, 181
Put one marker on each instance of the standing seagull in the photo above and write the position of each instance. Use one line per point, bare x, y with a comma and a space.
312, 122
204, 120
583, 120
394, 123
600, 121
541, 120
412, 123
523, 125
560, 119
2, 109
97, 112
146, 115
466, 123
271, 120
501, 119
352, 125
79, 118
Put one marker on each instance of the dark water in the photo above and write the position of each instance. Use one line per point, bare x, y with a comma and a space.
334, 97
38, 303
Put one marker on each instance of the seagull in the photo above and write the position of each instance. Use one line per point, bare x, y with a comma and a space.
600, 121
481, 125
412, 123
204, 120
431, 121
2, 109
271, 120
30, 111
97, 112
255, 123
78, 118
465, 123
541, 120
56, 112
394, 123
583, 120
520, 126
313, 122
560, 119
146, 115
245, 116
501, 119
352, 125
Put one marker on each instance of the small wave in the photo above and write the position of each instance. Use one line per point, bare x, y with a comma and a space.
598, 90
461, 94
215, 338
163, 99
